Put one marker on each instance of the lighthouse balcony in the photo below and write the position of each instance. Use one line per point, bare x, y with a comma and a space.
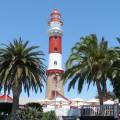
54, 71
55, 28
55, 32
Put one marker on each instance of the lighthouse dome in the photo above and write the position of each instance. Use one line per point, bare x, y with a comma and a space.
55, 16
55, 11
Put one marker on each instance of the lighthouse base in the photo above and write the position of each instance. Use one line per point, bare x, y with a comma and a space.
54, 83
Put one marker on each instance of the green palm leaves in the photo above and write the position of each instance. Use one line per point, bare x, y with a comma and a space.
21, 64
89, 61
114, 74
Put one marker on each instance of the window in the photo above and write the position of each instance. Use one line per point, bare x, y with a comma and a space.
55, 37
55, 49
55, 62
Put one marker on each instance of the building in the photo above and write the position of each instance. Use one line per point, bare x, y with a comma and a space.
54, 83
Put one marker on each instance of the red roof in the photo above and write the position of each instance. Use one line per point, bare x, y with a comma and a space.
6, 98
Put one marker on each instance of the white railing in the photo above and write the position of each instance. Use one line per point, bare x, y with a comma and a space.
97, 110
86, 110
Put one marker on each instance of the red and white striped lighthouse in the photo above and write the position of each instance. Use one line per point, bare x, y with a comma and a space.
54, 71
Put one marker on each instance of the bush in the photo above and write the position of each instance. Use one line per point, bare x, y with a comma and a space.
29, 114
34, 114
35, 106
49, 116
34, 111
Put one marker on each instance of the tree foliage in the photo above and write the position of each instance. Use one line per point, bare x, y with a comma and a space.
21, 65
114, 74
28, 114
31, 112
49, 116
35, 106
89, 62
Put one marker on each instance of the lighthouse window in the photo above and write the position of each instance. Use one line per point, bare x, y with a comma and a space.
55, 49
55, 37
55, 62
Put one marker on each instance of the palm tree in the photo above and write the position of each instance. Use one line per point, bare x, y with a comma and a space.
20, 65
114, 73
89, 61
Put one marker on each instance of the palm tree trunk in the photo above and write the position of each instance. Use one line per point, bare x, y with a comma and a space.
99, 92
100, 96
16, 94
105, 89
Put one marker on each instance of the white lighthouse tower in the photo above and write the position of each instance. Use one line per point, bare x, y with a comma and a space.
54, 71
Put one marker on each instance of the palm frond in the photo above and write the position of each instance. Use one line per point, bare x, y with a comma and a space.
21, 64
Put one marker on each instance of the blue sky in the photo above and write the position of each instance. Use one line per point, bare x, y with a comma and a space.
28, 19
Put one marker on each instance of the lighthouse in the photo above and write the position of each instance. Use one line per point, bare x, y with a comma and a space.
54, 84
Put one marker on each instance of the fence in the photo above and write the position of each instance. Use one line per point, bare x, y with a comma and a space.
89, 110
97, 110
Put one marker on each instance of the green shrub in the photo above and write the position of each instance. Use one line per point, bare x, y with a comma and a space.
49, 116
29, 114
34, 111
35, 106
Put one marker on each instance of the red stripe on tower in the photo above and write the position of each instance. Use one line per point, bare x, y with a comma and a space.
55, 45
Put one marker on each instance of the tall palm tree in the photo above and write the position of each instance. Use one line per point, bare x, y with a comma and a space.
20, 65
114, 73
89, 61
